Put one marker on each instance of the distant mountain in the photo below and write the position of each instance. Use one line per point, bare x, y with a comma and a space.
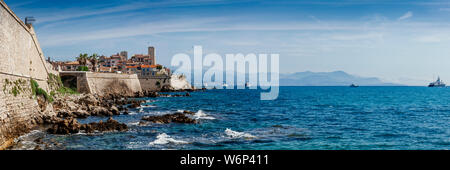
337, 78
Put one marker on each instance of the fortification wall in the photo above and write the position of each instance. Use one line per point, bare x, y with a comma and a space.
153, 83
104, 83
21, 59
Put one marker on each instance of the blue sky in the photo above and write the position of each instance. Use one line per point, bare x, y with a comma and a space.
398, 41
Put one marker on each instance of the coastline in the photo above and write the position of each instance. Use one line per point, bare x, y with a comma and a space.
70, 108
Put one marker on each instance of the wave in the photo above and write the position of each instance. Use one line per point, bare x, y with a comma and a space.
27, 141
235, 134
163, 139
134, 123
147, 106
201, 115
132, 113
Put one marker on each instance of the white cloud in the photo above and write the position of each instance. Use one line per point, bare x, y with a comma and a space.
198, 25
407, 15
355, 37
429, 39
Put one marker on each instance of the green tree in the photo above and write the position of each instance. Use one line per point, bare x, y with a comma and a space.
83, 68
94, 61
82, 59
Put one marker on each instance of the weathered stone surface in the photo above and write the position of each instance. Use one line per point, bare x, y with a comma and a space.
114, 110
110, 125
66, 126
135, 103
101, 111
170, 118
71, 126
90, 100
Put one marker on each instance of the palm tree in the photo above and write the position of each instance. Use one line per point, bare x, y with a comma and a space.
82, 59
94, 60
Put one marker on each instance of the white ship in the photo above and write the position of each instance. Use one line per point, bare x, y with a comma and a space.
437, 83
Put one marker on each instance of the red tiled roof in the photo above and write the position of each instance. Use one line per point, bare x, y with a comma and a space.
72, 63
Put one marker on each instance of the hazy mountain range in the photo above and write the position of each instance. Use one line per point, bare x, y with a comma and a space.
308, 78
337, 78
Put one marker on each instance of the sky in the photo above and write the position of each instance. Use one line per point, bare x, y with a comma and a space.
399, 41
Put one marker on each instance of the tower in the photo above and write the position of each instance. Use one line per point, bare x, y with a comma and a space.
151, 53
124, 54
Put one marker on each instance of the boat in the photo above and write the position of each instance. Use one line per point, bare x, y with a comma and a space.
225, 85
247, 85
354, 85
437, 83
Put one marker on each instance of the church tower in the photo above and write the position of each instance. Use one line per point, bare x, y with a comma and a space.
151, 53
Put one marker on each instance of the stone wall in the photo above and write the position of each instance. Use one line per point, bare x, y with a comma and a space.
20, 52
21, 59
153, 83
104, 83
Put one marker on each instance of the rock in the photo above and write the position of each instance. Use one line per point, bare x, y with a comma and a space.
71, 126
189, 112
101, 111
121, 108
66, 126
72, 106
39, 141
167, 88
81, 114
42, 102
139, 94
114, 110
51, 119
110, 125
89, 100
37, 147
153, 94
39, 120
169, 118
135, 104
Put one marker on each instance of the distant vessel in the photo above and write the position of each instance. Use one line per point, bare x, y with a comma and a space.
225, 85
248, 84
354, 85
437, 83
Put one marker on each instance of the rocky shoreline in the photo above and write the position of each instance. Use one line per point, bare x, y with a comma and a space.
69, 108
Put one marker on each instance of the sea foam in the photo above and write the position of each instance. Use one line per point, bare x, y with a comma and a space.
163, 139
235, 134
201, 115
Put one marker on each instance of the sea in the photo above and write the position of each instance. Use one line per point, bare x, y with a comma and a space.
302, 118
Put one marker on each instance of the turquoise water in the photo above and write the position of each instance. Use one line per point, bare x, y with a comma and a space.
302, 118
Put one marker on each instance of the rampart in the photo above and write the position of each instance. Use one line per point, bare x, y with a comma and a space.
21, 59
102, 83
